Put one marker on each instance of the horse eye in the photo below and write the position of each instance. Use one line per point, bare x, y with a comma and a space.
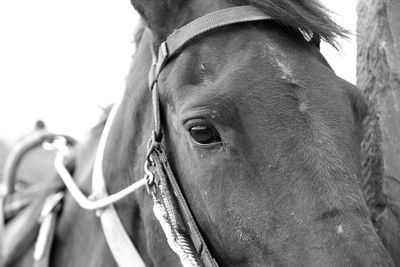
204, 134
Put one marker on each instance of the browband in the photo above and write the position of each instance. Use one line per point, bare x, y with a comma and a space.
179, 38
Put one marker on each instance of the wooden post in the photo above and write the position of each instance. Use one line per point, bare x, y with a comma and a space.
378, 76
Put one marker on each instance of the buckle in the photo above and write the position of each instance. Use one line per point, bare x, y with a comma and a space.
162, 57
152, 145
158, 64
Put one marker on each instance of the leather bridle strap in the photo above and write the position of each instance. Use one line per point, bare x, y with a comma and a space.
179, 38
167, 50
185, 227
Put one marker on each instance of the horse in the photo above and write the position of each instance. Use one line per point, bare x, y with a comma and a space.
262, 136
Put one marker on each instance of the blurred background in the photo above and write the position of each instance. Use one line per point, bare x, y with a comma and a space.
63, 61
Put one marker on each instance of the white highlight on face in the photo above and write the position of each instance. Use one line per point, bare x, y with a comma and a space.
287, 73
340, 229
283, 63
303, 106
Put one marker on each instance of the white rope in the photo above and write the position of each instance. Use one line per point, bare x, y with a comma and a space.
119, 242
80, 198
175, 241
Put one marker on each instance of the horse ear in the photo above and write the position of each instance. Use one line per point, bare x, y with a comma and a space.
316, 41
161, 16
360, 108
359, 103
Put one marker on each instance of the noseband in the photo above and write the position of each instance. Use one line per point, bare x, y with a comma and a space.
170, 206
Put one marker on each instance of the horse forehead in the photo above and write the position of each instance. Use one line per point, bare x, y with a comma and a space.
240, 66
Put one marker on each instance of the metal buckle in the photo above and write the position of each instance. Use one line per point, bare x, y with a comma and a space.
150, 178
158, 64
162, 57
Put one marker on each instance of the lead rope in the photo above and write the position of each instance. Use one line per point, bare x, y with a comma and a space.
166, 212
177, 242
180, 217
164, 208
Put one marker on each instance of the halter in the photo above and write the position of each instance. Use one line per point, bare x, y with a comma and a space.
170, 206
188, 242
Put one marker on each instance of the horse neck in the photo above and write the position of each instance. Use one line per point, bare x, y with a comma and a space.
127, 146
122, 165
127, 143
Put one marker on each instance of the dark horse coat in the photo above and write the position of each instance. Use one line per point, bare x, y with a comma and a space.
263, 137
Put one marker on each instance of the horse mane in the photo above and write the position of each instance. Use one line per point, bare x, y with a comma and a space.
309, 17
139, 31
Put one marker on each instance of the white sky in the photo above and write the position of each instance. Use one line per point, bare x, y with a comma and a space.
59, 60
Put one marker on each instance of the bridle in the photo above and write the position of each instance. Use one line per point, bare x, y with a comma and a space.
170, 206
190, 247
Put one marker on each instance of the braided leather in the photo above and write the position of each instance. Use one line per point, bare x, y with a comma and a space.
185, 224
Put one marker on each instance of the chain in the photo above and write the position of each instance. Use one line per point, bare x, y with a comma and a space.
149, 164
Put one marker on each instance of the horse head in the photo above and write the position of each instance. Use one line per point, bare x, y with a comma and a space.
261, 134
